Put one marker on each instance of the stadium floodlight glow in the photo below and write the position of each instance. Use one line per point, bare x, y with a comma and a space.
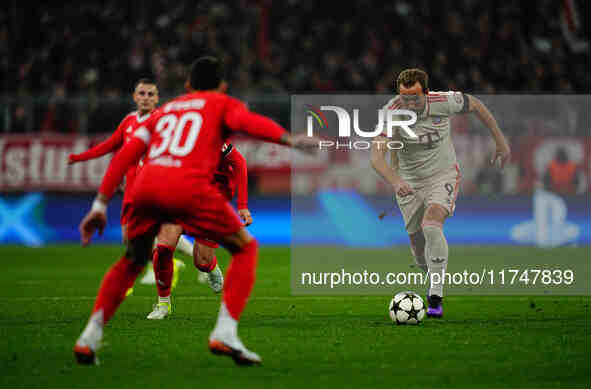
13, 217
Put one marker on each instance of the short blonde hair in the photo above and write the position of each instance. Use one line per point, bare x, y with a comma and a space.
409, 77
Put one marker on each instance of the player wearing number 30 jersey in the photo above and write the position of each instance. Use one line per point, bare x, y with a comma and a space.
146, 98
181, 143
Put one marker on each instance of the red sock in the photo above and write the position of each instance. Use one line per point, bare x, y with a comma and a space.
207, 268
163, 269
240, 278
118, 279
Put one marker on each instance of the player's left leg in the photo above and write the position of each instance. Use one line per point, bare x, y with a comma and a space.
164, 268
214, 217
111, 294
417, 247
206, 262
240, 278
437, 252
440, 196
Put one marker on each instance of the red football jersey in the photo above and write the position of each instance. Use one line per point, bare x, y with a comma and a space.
182, 142
122, 135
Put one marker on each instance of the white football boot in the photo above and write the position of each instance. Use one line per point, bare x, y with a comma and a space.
160, 311
224, 340
225, 344
90, 341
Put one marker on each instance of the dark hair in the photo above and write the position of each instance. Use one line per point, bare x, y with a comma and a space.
561, 155
145, 80
206, 73
409, 77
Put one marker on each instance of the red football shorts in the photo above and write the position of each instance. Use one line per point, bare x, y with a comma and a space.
227, 192
206, 242
160, 196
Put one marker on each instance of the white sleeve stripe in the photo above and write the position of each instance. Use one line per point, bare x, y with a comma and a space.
143, 134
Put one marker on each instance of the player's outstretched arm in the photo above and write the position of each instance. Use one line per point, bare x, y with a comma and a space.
238, 118
503, 151
111, 144
388, 173
96, 218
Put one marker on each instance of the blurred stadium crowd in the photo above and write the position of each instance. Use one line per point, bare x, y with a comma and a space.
98, 49
291, 46
70, 67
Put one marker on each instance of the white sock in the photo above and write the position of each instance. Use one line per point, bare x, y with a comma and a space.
164, 299
226, 326
185, 246
436, 251
93, 332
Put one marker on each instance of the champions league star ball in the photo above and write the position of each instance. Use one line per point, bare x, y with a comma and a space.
407, 308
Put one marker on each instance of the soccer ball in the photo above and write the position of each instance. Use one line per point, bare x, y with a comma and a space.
407, 308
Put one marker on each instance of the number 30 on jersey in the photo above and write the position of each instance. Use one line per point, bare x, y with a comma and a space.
171, 131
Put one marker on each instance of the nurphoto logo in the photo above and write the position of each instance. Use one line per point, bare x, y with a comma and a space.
388, 119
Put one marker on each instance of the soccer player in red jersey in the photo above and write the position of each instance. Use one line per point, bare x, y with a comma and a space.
146, 98
181, 142
230, 177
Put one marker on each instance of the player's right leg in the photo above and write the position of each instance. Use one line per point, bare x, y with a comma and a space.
206, 262
178, 265
110, 295
162, 261
240, 278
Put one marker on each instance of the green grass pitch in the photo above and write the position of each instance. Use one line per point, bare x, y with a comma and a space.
305, 342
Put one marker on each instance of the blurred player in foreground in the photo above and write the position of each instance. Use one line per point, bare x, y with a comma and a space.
174, 192
231, 176
145, 96
424, 173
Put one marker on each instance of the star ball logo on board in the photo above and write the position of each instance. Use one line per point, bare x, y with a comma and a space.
387, 120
